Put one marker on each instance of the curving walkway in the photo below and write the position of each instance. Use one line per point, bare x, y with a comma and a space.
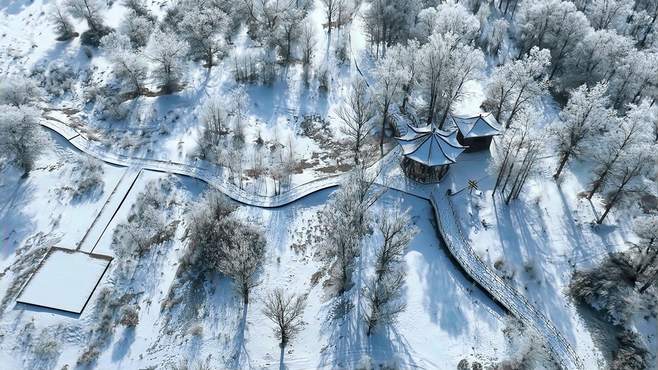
500, 290
214, 175
445, 215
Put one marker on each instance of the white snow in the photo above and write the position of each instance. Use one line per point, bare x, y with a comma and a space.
64, 281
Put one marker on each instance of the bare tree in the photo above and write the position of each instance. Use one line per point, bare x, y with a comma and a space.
91, 11
62, 23
332, 9
308, 43
286, 312
384, 300
356, 114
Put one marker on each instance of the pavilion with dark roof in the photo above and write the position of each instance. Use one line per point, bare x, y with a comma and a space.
428, 152
476, 132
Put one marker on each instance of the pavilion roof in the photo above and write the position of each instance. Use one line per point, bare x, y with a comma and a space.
430, 146
481, 125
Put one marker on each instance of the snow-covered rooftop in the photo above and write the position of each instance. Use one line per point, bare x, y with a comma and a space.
65, 280
481, 125
430, 146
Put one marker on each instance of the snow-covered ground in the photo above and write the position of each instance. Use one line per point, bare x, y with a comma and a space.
536, 242
446, 320
539, 240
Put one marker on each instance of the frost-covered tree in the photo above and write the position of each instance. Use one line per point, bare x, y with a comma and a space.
528, 349
286, 312
139, 7
221, 242
631, 130
554, 25
388, 22
383, 291
634, 78
516, 85
21, 138
447, 17
585, 114
605, 14
168, 52
384, 300
128, 66
645, 252
407, 57
495, 38
331, 9
627, 176
597, 56
146, 225
92, 12
345, 222
242, 257
390, 78
137, 27
517, 154
215, 124
289, 31
444, 65
18, 91
645, 16
356, 114
203, 28
62, 23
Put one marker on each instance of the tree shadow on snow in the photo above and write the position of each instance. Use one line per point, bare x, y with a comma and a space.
122, 346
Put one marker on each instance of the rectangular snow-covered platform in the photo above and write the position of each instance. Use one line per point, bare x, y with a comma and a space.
65, 280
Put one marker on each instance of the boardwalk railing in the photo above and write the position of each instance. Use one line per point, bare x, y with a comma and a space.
500, 290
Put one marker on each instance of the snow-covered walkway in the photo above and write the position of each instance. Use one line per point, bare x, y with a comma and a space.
501, 291
209, 173
447, 223
110, 208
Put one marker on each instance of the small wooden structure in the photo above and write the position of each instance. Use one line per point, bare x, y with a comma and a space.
428, 152
476, 132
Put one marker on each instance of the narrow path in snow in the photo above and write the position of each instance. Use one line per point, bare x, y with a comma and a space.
501, 291
109, 210
445, 216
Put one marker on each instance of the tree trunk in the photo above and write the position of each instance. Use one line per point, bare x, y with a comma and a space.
648, 283
381, 136
609, 205
563, 161
598, 183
